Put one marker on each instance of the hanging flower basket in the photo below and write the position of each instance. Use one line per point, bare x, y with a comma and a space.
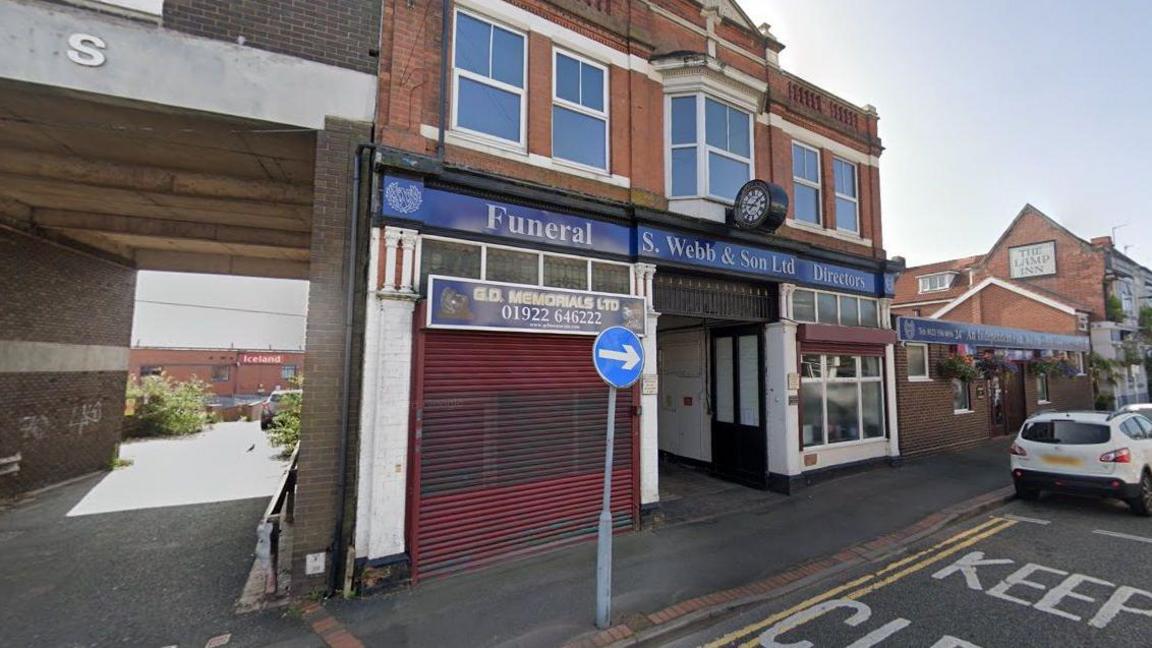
1056, 367
991, 366
958, 367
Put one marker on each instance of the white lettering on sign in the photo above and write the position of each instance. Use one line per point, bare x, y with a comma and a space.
1122, 600
501, 221
86, 50
1035, 260
261, 358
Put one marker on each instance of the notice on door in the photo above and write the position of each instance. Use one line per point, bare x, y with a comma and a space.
495, 306
1036, 260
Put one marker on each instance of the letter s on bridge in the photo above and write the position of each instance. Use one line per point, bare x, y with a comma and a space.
86, 50
860, 614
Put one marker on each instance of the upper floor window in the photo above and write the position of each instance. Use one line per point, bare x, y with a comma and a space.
935, 282
837, 310
716, 165
806, 183
1127, 298
580, 111
847, 198
488, 79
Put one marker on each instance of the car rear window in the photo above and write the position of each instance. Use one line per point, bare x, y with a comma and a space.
1066, 432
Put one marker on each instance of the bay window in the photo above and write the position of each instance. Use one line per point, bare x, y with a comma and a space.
580, 111
841, 399
715, 165
488, 79
806, 183
847, 199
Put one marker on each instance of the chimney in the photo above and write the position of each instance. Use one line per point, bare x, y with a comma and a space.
1102, 242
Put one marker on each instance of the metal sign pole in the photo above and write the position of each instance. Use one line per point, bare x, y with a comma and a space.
604, 538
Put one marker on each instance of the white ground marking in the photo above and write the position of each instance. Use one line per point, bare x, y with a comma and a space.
1125, 536
1021, 518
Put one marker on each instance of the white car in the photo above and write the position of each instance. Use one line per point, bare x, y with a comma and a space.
1089, 453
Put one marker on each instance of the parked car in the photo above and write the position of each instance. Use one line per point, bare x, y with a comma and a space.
271, 406
1138, 408
1088, 453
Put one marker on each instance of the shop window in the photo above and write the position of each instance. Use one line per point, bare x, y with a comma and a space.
936, 282
512, 266
842, 399
565, 272
1042, 388
151, 370
804, 306
221, 373
722, 163
917, 361
449, 259
287, 372
849, 311
806, 183
869, 313
488, 79
961, 396
580, 112
828, 308
847, 199
611, 278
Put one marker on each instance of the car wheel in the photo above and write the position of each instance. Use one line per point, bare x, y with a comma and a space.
1142, 504
1027, 494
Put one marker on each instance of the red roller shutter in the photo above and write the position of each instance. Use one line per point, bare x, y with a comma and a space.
510, 454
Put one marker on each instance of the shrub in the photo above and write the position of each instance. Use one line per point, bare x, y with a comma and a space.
165, 407
1114, 309
285, 430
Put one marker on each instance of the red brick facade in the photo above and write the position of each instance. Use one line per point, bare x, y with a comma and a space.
229, 372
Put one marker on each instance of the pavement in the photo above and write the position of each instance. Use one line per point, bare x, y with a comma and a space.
154, 554
1064, 571
549, 600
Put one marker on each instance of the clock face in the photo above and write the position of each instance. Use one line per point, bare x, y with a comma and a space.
753, 207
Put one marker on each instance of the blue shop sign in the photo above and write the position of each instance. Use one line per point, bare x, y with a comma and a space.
663, 245
497, 306
410, 199
915, 329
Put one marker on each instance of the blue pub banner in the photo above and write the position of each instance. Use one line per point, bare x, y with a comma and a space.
409, 199
494, 306
930, 331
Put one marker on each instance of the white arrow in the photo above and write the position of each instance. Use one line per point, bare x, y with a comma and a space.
628, 356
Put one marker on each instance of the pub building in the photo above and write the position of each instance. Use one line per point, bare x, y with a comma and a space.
734, 226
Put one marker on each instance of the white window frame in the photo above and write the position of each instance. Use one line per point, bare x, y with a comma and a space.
540, 254
920, 280
817, 185
926, 376
853, 199
584, 110
702, 147
839, 296
968, 397
521, 145
1045, 397
858, 380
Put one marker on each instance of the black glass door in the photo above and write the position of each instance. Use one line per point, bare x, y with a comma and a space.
739, 442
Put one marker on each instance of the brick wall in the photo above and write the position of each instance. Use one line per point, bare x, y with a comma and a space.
63, 424
996, 306
336, 32
409, 98
1063, 394
317, 491
927, 421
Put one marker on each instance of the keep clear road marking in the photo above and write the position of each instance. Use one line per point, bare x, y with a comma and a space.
872, 582
1125, 536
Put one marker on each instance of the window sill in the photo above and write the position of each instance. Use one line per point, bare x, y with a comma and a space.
499, 149
844, 444
1043, 402
920, 379
830, 233
963, 411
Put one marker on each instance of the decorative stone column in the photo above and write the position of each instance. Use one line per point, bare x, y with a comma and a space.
782, 403
650, 394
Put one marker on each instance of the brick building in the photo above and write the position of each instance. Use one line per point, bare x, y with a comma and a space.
204, 136
1039, 278
236, 375
546, 168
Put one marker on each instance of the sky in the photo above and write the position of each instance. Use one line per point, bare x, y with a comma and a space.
217, 311
986, 105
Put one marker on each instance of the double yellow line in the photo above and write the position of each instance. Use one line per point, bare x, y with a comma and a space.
867, 584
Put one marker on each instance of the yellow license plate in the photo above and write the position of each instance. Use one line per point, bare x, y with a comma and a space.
1058, 460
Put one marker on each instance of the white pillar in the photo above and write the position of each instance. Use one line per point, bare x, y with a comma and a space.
649, 402
892, 407
387, 373
408, 240
783, 409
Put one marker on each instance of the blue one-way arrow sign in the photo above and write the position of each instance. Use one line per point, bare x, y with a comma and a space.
618, 356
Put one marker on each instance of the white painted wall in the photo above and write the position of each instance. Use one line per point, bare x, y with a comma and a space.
144, 62
685, 430
783, 419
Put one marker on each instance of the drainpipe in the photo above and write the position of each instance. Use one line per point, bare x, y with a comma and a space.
445, 27
339, 543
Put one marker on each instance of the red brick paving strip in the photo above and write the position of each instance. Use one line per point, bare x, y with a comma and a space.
334, 634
